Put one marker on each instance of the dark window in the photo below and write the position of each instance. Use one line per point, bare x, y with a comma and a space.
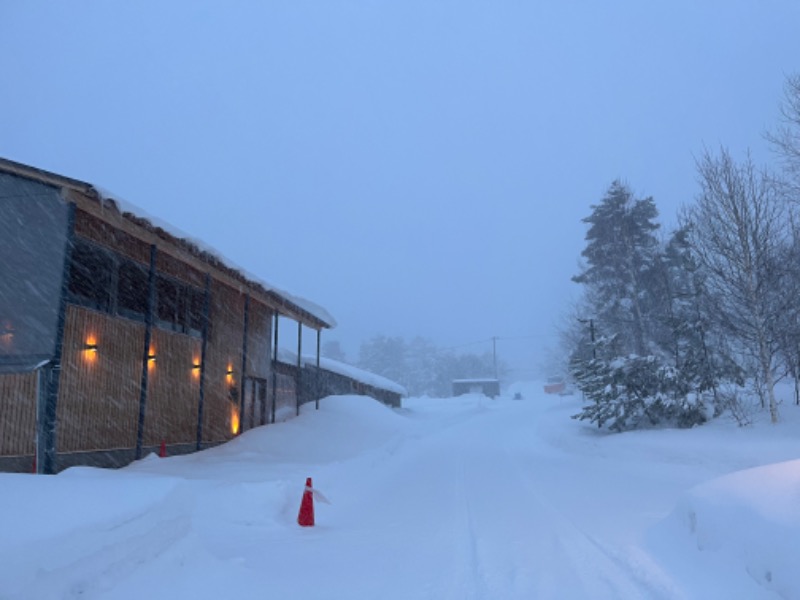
132, 288
196, 300
167, 292
33, 236
106, 281
91, 275
179, 307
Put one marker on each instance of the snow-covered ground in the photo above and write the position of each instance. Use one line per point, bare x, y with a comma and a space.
457, 498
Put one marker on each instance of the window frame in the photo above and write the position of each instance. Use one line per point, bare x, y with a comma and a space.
183, 313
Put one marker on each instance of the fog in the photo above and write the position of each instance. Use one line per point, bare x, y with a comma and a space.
417, 168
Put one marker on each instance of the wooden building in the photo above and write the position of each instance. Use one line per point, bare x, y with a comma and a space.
331, 382
117, 336
328, 377
487, 386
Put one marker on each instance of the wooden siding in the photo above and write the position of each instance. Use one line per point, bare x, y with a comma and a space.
182, 251
285, 391
170, 265
17, 414
92, 228
98, 406
259, 340
257, 409
173, 390
224, 352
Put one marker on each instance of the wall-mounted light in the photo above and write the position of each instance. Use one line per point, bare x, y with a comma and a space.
6, 335
91, 343
90, 349
196, 368
229, 373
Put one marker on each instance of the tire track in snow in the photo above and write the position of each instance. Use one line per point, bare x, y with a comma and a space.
138, 540
510, 541
596, 570
467, 580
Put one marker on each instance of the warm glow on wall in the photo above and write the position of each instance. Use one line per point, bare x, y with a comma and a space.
6, 335
234, 419
196, 368
151, 358
229, 374
90, 348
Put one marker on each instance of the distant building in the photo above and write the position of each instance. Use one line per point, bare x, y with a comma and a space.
487, 387
555, 385
117, 336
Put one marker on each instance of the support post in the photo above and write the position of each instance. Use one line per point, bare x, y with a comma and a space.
42, 378
46, 433
274, 371
203, 347
299, 364
242, 383
148, 335
317, 391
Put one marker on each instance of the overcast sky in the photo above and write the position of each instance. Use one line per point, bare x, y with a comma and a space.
415, 167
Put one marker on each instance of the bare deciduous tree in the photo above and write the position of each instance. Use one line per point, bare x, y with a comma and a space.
739, 228
786, 138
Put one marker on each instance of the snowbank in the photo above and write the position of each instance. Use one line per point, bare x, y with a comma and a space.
750, 519
446, 498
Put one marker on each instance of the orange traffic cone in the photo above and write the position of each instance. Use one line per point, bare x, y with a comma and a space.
306, 515
163, 452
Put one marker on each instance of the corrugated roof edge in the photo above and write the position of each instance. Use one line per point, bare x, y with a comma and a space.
172, 235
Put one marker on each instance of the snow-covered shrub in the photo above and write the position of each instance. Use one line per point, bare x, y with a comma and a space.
636, 391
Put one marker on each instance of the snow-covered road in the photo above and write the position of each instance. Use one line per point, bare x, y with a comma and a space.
458, 498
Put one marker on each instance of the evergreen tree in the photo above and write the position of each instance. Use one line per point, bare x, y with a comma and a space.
333, 349
649, 359
635, 391
698, 352
385, 356
423, 368
620, 255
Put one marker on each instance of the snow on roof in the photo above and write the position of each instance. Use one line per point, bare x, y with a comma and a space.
358, 374
335, 366
139, 216
130, 209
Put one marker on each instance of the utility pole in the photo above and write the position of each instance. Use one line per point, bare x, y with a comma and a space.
591, 335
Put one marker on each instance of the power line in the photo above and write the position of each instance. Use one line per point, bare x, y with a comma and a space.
497, 338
